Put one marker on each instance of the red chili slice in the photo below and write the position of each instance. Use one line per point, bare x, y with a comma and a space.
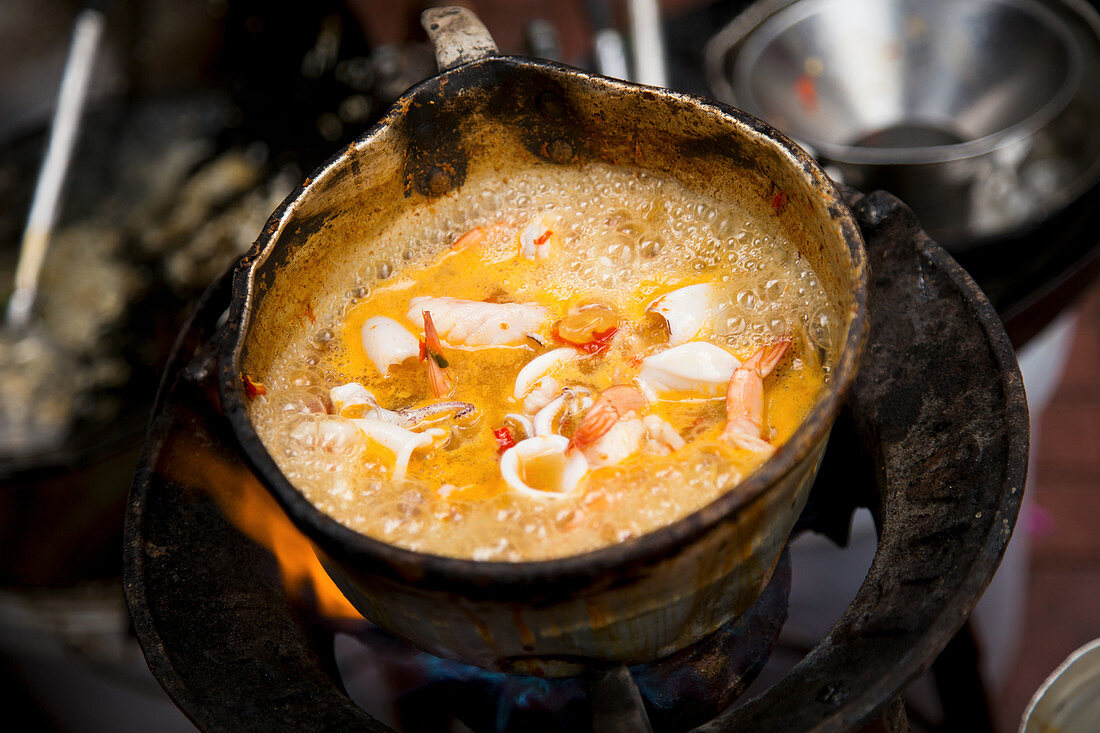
504, 438
253, 389
600, 341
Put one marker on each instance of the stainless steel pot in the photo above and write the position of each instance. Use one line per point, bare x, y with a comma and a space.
980, 115
485, 113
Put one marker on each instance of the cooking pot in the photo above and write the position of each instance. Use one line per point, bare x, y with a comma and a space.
980, 115
632, 602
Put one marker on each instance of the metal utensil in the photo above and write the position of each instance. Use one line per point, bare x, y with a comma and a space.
647, 43
645, 63
38, 389
609, 44
978, 113
87, 32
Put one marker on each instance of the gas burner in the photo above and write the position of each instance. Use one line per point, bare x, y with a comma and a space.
933, 441
680, 691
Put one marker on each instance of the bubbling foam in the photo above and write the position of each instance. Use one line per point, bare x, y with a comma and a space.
620, 231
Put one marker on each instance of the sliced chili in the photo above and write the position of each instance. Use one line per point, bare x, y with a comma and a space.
504, 438
253, 389
600, 341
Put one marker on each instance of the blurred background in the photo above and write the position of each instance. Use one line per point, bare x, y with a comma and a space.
199, 116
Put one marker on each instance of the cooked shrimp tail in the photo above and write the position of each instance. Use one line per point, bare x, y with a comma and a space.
469, 239
613, 404
439, 379
745, 398
766, 357
431, 336
431, 350
478, 235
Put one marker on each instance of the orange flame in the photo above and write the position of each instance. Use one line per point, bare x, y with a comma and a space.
255, 512
249, 506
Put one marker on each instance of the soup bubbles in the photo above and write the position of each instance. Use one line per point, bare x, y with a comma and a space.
620, 237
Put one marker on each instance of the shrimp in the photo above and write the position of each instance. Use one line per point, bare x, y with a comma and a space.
663, 438
745, 399
352, 400
474, 323
431, 350
613, 429
622, 440
478, 236
470, 239
613, 404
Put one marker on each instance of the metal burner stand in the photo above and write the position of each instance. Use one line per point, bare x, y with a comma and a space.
934, 442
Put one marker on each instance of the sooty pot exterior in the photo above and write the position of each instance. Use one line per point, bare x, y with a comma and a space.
486, 114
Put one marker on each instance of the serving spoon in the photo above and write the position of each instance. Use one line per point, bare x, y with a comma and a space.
36, 388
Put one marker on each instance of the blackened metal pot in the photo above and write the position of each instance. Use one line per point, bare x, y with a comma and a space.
631, 602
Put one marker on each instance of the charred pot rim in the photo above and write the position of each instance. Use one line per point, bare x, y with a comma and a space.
609, 566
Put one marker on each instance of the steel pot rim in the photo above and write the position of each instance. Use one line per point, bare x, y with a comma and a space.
744, 28
522, 578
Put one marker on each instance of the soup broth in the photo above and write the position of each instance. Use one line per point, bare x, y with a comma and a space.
560, 359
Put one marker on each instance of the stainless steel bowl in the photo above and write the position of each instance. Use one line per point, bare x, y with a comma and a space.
1069, 700
980, 114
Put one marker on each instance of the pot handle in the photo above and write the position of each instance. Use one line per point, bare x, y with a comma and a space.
457, 35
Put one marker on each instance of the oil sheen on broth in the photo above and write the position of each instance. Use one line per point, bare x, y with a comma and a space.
603, 333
